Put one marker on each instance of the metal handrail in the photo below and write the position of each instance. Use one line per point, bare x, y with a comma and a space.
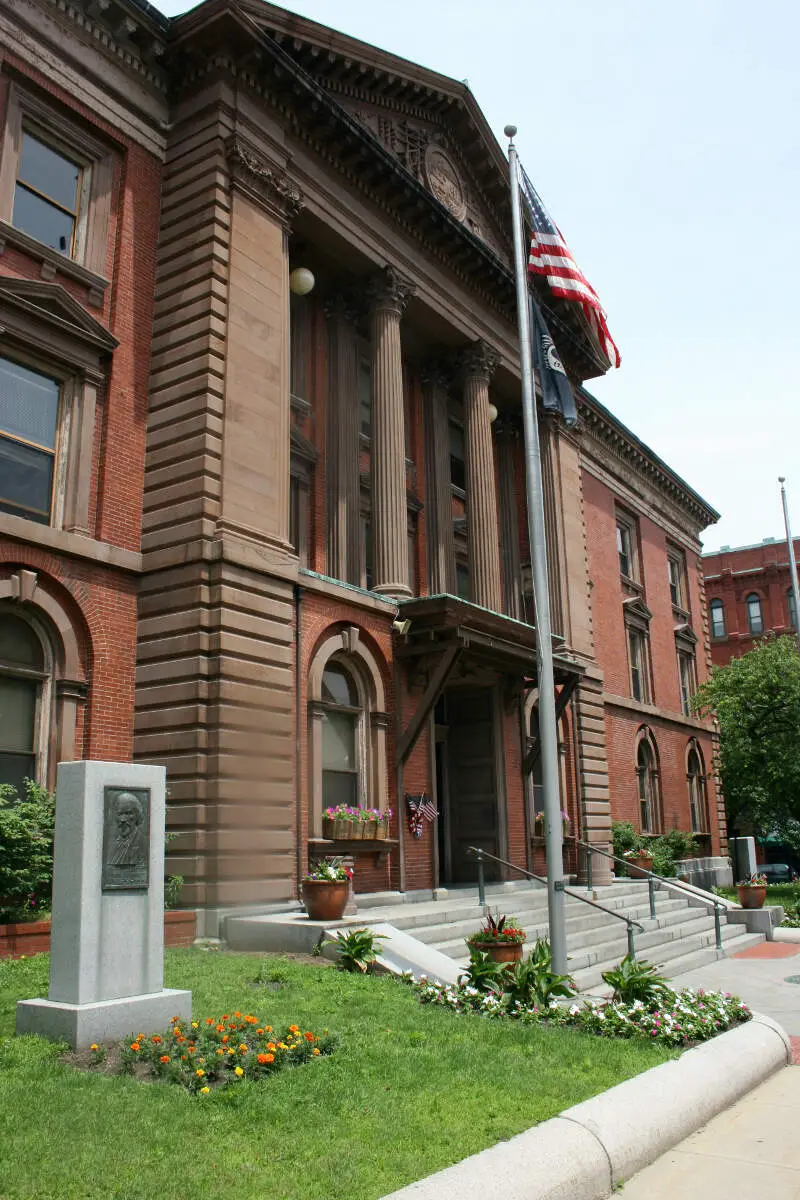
651, 878
483, 854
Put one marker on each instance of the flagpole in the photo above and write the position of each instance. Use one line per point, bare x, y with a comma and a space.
792, 563
548, 729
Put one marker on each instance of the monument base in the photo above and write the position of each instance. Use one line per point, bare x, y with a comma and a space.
104, 1021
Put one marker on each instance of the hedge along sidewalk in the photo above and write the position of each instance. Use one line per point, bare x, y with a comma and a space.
587, 1151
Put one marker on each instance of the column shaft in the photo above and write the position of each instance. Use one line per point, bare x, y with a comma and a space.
341, 458
438, 492
482, 527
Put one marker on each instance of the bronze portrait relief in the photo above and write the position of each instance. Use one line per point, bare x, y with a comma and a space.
126, 839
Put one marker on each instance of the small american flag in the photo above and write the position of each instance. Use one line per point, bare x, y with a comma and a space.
551, 256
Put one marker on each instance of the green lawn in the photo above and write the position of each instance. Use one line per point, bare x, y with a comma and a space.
411, 1089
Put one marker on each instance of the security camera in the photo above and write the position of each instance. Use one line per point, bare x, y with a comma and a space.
401, 627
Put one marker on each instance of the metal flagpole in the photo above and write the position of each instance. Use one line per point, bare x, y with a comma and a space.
548, 731
792, 563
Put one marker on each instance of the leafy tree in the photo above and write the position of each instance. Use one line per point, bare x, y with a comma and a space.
756, 699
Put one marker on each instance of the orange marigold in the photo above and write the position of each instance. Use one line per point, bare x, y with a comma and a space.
259, 1031
237, 1014
220, 1052
220, 1029
310, 1036
315, 1050
294, 1029
135, 1046
269, 1058
224, 1040
271, 1046
209, 1020
268, 1029
164, 1058
251, 1020
156, 1040
226, 1016
244, 1047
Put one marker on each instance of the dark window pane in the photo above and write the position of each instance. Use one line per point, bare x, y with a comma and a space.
717, 619
365, 396
26, 481
28, 404
339, 787
458, 473
49, 172
339, 741
15, 768
754, 617
42, 220
462, 581
17, 714
338, 688
369, 574
19, 646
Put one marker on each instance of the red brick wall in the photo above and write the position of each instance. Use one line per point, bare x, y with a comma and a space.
731, 576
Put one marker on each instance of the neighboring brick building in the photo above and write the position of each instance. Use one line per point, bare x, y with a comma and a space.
749, 595
79, 205
334, 585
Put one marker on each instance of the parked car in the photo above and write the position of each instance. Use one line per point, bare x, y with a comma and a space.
777, 872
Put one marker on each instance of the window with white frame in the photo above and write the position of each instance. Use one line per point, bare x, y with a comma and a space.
29, 423
676, 574
697, 788
627, 548
716, 611
647, 777
755, 619
343, 753
24, 702
688, 680
50, 195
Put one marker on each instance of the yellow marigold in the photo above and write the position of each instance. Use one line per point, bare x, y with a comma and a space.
244, 1048
315, 1050
195, 1024
231, 1051
238, 1071
204, 1091
282, 1046
94, 1046
199, 1072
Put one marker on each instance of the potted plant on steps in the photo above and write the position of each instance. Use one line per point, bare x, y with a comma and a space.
325, 889
639, 861
752, 892
499, 937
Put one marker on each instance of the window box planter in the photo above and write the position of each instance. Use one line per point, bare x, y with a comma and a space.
33, 937
337, 828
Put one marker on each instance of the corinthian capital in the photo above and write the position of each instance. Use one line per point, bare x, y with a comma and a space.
478, 359
264, 181
389, 290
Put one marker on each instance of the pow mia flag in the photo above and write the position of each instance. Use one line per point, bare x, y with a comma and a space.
556, 390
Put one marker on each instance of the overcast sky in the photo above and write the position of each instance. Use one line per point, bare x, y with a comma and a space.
663, 138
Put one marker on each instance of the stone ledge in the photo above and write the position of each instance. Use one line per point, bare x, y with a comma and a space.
104, 1020
74, 545
587, 1151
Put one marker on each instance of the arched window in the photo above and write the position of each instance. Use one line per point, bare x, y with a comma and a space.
24, 702
648, 784
342, 738
717, 611
698, 792
755, 620
790, 609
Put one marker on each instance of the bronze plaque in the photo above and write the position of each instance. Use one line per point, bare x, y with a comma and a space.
126, 840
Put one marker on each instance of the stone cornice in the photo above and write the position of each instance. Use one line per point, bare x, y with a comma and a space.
135, 38
263, 181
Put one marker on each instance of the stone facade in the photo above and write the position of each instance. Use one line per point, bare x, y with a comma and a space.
333, 573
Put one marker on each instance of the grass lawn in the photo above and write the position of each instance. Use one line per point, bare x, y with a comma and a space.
411, 1089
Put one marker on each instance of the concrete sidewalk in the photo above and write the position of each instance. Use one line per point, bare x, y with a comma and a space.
750, 1149
760, 976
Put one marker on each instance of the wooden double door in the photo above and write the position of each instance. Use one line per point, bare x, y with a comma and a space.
467, 782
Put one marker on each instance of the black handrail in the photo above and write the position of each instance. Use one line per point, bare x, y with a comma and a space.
651, 878
483, 854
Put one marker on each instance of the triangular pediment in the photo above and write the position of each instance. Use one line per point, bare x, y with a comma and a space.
52, 304
634, 606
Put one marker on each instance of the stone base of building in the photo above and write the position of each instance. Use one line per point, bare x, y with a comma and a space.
713, 871
104, 1021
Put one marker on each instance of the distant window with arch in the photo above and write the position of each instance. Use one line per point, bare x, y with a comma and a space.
717, 611
342, 738
698, 791
648, 785
790, 609
755, 619
24, 701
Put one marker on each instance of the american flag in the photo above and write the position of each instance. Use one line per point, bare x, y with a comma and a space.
551, 256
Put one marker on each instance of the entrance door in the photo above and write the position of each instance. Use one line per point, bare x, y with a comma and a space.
470, 781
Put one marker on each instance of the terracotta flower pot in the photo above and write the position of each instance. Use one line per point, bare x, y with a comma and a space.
500, 951
325, 900
638, 866
751, 895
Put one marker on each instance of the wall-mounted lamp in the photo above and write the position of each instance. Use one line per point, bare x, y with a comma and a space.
492, 413
301, 281
401, 627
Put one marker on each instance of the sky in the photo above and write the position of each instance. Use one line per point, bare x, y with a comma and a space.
664, 139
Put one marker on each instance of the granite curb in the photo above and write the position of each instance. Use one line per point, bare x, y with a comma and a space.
588, 1150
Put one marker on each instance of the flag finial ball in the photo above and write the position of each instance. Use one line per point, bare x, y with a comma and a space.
781, 479
510, 131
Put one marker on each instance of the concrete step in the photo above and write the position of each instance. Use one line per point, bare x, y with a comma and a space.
670, 957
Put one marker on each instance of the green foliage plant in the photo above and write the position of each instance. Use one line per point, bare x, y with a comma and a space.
533, 981
635, 979
483, 974
356, 949
27, 825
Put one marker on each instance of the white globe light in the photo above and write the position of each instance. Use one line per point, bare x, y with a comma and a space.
492, 413
301, 281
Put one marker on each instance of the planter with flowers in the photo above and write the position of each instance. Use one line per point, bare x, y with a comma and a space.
376, 824
347, 824
752, 892
639, 861
325, 889
539, 827
499, 937
337, 823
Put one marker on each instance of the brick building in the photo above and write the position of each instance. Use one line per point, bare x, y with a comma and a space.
332, 574
749, 594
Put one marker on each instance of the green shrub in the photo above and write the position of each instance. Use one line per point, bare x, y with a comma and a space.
356, 949
634, 979
26, 851
625, 837
533, 981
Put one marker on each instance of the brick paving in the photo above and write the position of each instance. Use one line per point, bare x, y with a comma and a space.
769, 950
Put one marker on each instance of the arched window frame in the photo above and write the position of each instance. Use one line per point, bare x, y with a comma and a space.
42, 719
716, 610
345, 648
648, 782
697, 787
755, 627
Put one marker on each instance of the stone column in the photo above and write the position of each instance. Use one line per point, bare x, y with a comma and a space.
438, 492
341, 444
507, 440
389, 293
478, 363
